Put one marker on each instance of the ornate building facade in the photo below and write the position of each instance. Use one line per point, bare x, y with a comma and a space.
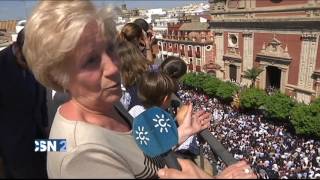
191, 40
279, 36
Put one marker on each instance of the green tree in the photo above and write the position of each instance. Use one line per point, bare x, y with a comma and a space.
278, 106
210, 87
252, 98
200, 80
189, 79
306, 119
226, 90
252, 74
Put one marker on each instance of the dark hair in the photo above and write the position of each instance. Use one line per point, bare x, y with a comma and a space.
142, 24
173, 66
154, 86
130, 31
132, 61
20, 39
19, 45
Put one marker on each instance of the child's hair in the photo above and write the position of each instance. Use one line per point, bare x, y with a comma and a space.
142, 24
154, 86
174, 67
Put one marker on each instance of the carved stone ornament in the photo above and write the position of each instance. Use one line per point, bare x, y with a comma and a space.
274, 49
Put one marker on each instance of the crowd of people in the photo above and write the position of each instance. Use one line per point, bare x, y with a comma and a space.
74, 48
271, 150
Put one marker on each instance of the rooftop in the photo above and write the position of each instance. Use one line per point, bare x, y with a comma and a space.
194, 26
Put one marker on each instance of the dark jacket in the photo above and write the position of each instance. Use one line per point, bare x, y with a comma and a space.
23, 115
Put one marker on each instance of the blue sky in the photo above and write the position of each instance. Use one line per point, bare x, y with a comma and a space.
20, 9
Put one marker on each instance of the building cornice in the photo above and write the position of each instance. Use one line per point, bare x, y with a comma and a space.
297, 88
232, 58
273, 59
267, 10
274, 24
188, 42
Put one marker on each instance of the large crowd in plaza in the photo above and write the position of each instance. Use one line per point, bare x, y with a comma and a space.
271, 149
79, 80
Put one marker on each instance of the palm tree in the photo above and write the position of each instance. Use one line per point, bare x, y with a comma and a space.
252, 74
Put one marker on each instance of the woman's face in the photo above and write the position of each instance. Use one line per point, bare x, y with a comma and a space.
94, 74
139, 43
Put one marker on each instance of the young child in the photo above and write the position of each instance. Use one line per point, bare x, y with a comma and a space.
175, 67
155, 89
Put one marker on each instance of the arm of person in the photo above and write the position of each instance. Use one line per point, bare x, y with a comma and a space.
148, 48
193, 123
95, 161
190, 170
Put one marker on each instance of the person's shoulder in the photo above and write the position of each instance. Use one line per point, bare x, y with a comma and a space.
79, 134
6, 50
5, 54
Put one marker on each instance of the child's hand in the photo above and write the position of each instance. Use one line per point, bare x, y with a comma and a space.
200, 121
193, 123
181, 114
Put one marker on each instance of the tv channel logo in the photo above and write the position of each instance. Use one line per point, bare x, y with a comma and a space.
50, 145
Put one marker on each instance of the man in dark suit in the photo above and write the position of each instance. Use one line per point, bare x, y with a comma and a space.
54, 100
23, 115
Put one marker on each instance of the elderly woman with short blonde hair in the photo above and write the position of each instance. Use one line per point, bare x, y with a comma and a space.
69, 46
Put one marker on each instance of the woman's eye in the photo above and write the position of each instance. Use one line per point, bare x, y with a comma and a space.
92, 62
110, 49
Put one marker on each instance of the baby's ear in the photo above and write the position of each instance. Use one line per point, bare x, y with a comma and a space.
165, 99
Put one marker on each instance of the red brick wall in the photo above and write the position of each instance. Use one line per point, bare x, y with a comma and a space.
210, 55
225, 41
240, 43
269, 3
294, 48
318, 57
173, 27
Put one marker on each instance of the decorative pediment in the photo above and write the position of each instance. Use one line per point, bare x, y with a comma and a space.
211, 66
274, 51
232, 54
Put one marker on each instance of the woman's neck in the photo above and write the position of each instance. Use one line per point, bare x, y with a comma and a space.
109, 119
